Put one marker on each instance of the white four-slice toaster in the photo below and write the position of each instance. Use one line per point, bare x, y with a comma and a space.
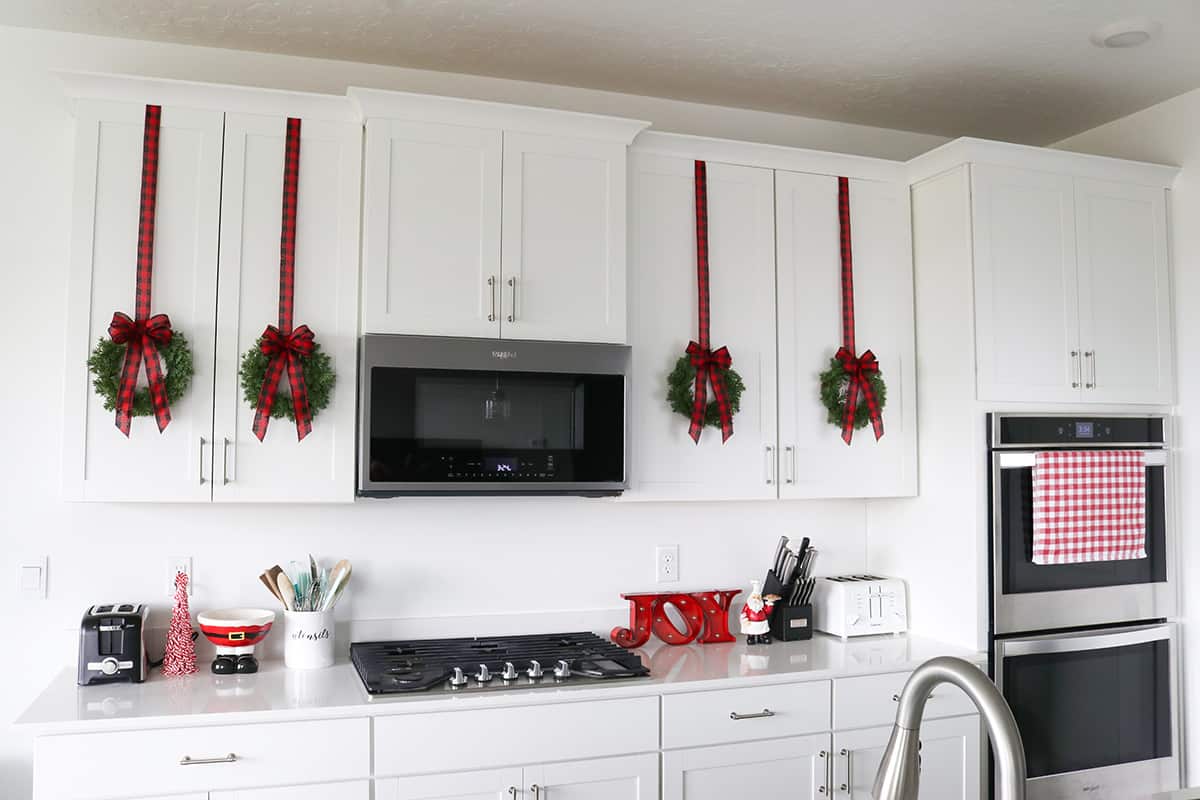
860, 605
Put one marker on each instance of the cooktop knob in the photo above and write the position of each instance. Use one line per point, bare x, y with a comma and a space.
458, 679
484, 675
109, 666
562, 670
535, 669
510, 672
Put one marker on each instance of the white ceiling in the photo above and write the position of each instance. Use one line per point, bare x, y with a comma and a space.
1022, 70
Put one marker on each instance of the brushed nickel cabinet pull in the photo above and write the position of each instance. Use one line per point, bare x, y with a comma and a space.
1078, 370
512, 792
766, 712
1090, 355
770, 465
203, 442
789, 455
188, 761
512, 310
491, 282
537, 791
225, 479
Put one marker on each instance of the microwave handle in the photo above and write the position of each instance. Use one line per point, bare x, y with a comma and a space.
1075, 642
1024, 459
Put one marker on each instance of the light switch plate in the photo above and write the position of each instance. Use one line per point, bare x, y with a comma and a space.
31, 578
177, 564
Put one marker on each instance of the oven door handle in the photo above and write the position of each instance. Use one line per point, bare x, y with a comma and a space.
1076, 642
1024, 459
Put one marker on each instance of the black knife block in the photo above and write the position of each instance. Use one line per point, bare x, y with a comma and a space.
792, 623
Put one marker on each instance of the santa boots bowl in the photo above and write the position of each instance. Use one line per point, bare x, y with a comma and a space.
235, 632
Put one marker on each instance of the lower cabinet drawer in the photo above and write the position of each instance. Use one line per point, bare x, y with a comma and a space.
871, 700
415, 744
124, 764
738, 715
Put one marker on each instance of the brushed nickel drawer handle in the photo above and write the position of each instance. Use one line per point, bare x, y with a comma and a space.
188, 761
930, 696
512, 310
512, 792
492, 291
537, 791
766, 712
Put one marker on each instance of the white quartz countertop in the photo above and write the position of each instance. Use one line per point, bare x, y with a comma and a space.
276, 693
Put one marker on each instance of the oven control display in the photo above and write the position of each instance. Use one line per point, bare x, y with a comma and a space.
1085, 430
492, 464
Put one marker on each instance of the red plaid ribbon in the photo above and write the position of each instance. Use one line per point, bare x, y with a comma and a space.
857, 367
710, 364
282, 345
142, 334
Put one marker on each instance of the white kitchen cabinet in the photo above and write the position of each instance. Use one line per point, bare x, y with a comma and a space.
814, 460
796, 767
624, 778
1124, 292
1072, 302
99, 462
431, 245
217, 224
1026, 289
563, 241
494, 221
666, 463
352, 790
321, 467
950, 760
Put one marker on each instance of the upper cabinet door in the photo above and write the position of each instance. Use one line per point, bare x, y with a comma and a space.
1124, 293
99, 463
563, 262
321, 467
1026, 312
666, 463
815, 461
431, 238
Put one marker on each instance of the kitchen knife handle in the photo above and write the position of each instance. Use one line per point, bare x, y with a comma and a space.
492, 293
188, 761
766, 712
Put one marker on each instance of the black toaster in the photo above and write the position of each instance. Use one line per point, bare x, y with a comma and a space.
112, 644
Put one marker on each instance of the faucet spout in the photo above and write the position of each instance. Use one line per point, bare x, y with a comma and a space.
899, 772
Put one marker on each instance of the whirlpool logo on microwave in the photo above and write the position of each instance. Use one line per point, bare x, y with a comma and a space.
504, 355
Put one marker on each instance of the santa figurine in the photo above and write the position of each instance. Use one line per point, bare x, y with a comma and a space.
756, 615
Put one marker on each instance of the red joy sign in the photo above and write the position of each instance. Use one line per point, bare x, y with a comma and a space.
705, 615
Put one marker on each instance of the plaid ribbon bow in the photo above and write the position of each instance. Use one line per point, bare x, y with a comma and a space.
142, 334
283, 346
284, 351
858, 368
710, 364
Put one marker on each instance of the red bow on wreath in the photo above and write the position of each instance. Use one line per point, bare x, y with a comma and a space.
141, 338
710, 364
858, 369
284, 351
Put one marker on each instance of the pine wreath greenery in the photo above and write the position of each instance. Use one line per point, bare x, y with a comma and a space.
319, 379
680, 395
108, 357
835, 382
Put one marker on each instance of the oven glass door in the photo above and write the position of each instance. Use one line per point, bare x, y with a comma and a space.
492, 427
1031, 596
1085, 702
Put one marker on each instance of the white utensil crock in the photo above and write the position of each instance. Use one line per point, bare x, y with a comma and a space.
308, 639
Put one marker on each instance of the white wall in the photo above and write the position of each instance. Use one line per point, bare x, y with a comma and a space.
1169, 133
412, 558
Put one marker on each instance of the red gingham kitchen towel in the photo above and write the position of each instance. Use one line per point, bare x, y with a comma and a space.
1089, 506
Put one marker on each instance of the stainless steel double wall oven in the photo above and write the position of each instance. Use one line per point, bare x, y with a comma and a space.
1086, 654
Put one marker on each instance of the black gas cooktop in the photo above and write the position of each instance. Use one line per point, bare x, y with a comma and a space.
485, 664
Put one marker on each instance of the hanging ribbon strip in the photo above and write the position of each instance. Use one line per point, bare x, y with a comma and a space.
144, 333
710, 365
858, 368
281, 344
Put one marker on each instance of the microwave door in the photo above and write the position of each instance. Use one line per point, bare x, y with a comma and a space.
1029, 597
1097, 710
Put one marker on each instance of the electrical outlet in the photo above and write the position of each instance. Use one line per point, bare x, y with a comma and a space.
31, 578
666, 563
177, 564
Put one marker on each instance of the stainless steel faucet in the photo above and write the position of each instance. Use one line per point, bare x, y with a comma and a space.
900, 771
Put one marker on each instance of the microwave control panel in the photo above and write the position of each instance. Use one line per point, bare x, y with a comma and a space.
500, 468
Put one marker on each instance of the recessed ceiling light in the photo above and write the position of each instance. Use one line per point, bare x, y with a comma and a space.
1125, 33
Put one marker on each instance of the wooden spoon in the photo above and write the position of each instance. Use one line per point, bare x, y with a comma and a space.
287, 592
271, 586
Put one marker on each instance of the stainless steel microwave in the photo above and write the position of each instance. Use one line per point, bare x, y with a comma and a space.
442, 415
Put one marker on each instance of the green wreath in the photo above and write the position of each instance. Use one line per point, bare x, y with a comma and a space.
108, 357
835, 381
319, 378
680, 385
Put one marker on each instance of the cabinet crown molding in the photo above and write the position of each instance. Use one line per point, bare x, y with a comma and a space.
206, 96
379, 103
969, 150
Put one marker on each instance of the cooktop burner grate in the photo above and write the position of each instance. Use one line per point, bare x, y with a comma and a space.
484, 664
